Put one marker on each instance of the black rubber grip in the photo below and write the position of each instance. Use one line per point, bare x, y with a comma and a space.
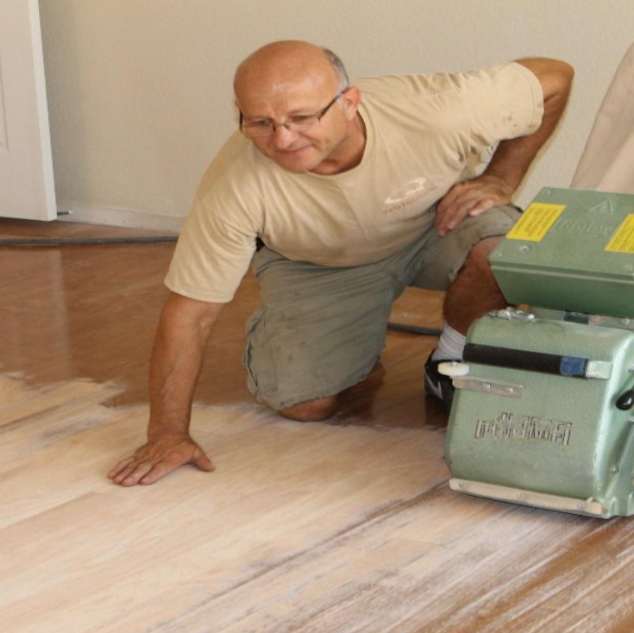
571, 366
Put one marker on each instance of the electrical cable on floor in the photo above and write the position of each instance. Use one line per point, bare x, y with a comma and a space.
414, 329
87, 241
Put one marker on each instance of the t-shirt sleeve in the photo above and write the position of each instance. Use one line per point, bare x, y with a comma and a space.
504, 102
489, 104
211, 257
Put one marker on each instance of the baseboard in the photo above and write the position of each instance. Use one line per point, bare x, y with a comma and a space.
123, 218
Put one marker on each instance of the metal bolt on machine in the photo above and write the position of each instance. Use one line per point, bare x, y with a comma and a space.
543, 413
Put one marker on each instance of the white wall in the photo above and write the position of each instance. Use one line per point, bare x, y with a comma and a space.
140, 90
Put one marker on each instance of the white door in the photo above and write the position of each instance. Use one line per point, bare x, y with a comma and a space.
26, 167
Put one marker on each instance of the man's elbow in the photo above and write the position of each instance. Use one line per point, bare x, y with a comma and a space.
555, 75
564, 72
183, 312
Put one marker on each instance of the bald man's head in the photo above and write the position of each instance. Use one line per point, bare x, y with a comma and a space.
283, 63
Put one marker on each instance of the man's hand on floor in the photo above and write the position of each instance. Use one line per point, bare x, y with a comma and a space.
160, 456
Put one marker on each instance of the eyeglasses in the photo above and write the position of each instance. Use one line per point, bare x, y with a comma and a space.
262, 128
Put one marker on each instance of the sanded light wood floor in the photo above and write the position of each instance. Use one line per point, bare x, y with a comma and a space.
345, 526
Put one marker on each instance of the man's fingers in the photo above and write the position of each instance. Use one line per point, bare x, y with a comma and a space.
137, 471
203, 462
481, 207
468, 206
134, 475
131, 473
454, 208
467, 203
158, 471
120, 467
450, 219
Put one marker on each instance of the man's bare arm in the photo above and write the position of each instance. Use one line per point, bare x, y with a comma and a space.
182, 334
513, 157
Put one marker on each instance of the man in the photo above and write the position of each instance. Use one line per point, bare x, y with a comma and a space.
352, 190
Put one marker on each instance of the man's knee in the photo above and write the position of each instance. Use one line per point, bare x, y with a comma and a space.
480, 251
311, 411
476, 273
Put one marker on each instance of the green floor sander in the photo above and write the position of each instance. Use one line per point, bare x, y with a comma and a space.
543, 413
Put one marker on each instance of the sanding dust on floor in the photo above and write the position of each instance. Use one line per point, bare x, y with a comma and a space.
311, 527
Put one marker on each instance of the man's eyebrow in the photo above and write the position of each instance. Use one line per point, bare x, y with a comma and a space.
304, 110
293, 112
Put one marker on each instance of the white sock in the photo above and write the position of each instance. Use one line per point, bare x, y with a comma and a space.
450, 345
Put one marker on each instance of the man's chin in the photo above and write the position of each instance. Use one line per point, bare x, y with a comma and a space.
296, 162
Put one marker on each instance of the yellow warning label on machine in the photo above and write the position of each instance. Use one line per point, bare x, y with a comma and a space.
623, 240
536, 221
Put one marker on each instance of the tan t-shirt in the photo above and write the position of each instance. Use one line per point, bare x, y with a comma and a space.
423, 133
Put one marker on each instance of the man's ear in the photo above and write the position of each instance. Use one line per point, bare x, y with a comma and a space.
350, 100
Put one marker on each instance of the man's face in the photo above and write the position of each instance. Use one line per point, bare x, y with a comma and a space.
296, 150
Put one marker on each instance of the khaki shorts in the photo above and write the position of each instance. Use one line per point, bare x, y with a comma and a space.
321, 329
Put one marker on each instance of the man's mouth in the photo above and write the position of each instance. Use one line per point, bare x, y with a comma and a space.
291, 152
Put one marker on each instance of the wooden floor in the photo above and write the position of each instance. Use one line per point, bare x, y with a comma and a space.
346, 526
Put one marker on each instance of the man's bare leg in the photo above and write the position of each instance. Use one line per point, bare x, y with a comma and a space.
312, 411
474, 291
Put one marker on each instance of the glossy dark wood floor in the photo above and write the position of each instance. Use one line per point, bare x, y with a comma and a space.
91, 311
346, 526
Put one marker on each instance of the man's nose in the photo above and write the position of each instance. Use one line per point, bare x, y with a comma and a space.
282, 136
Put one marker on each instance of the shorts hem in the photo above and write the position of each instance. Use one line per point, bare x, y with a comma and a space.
483, 234
279, 404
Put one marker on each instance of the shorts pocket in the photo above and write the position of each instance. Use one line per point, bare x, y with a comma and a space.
250, 330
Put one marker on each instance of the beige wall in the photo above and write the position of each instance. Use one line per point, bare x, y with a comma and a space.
140, 90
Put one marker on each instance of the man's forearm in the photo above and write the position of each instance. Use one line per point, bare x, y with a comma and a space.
183, 331
176, 361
